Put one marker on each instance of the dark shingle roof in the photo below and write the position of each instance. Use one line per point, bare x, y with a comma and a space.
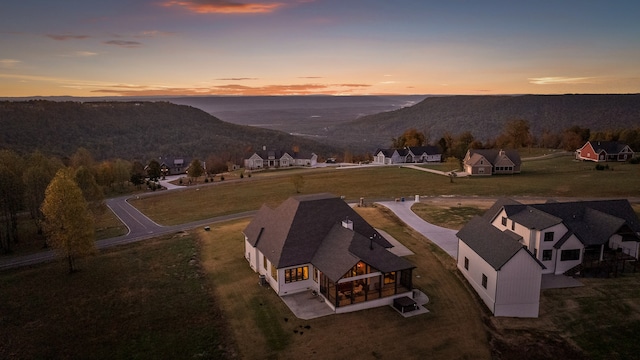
610, 147
495, 209
531, 217
494, 246
493, 155
290, 234
593, 222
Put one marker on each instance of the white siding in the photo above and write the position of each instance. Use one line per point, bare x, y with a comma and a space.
251, 254
478, 267
296, 286
518, 287
628, 247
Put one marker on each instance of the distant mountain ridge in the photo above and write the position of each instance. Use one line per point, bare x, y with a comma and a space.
133, 130
485, 116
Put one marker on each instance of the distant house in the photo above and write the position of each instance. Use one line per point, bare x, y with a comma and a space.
560, 237
279, 158
600, 151
485, 162
319, 243
412, 154
172, 165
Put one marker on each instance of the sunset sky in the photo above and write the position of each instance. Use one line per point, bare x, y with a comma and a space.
298, 47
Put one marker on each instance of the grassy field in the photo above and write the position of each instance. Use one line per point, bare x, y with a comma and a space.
144, 301
107, 225
193, 295
557, 177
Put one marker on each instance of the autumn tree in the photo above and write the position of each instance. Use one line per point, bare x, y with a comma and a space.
121, 172
411, 137
36, 177
92, 193
68, 221
574, 137
195, 170
516, 134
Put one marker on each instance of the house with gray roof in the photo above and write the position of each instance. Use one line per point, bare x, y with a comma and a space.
268, 158
560, 236
600, 151
486, 162
411, 155
319, 243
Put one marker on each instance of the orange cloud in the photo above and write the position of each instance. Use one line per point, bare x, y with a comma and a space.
224, 7
231, 89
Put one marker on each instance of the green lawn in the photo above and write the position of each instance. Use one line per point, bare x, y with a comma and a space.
557, 177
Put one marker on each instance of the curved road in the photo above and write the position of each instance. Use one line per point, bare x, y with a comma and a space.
140, 228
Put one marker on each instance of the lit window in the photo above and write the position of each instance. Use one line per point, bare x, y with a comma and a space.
296, 274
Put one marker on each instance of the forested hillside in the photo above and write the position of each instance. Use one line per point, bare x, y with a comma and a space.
133, 131
485, 117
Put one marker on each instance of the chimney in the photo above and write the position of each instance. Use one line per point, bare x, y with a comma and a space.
348, 224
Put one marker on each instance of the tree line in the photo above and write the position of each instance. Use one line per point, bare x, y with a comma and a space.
517, 134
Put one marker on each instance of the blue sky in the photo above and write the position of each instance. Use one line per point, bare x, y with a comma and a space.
348, 47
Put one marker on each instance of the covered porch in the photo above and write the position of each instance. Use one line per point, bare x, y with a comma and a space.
363, 284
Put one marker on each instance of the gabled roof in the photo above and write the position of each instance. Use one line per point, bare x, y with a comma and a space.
593, 222
610, 147
343, 249
385, 152
494, 246
495, 209
494, 155
291, 234
531, 217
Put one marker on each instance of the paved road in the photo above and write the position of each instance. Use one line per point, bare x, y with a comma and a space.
140, 228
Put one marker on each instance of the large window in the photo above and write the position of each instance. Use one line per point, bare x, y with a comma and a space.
390, 278
568, 255
484, 281
548, 236
547, 254
296, 274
